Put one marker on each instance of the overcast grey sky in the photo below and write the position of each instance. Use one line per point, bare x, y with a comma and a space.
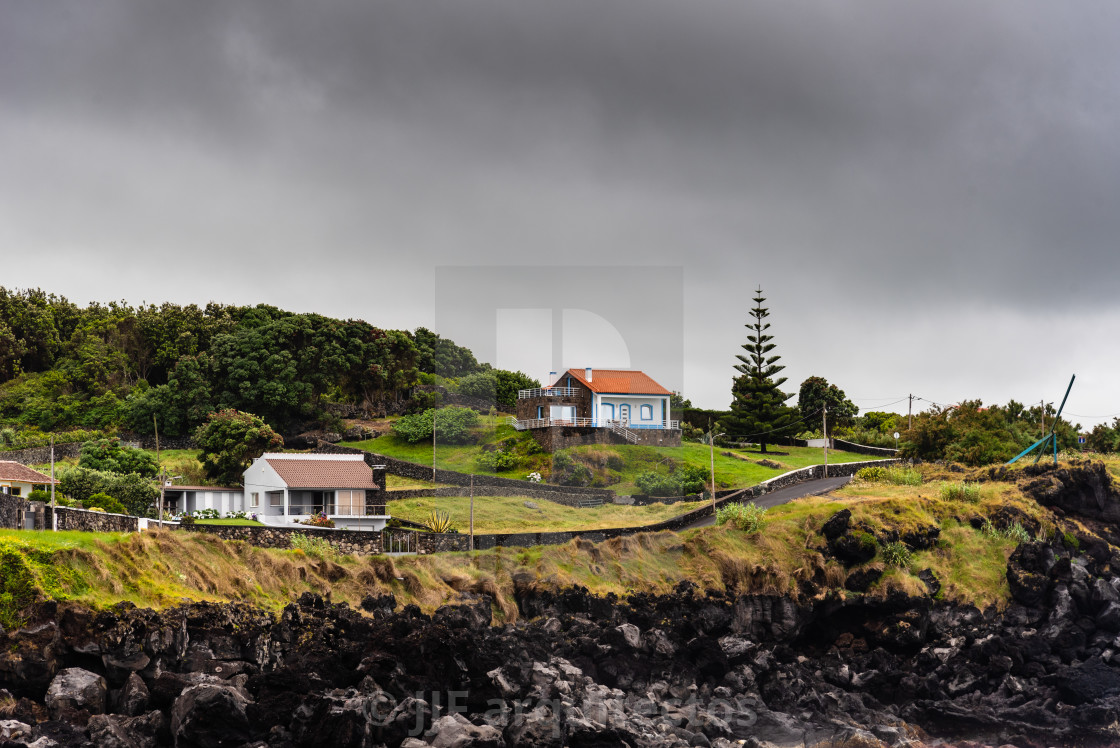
927, 192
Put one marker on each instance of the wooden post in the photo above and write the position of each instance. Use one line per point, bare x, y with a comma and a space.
825, 432
162, 477
712, 458
54, 517
472, 511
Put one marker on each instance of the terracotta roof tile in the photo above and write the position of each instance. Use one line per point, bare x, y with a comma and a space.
618, 382
323, 473
11, 470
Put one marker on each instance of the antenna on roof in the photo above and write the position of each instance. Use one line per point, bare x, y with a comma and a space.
1052, 436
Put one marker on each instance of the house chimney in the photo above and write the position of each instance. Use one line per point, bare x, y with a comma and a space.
551, 379
587, 374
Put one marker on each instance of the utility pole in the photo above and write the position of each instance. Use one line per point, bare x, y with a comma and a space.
472, 511
824, 430
910, 414
712, 459
54, 517
162, 477
1042, 415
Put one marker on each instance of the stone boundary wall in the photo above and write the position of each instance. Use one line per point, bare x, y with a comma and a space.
11, 511
529, 492
40, 455
863, 449
555, 438
354, 542
148, 441
421, 472
85, 520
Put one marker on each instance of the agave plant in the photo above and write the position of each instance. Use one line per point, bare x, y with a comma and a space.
439, 521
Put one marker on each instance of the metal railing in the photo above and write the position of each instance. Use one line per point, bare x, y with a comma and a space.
369, 510
547, 392
621, 430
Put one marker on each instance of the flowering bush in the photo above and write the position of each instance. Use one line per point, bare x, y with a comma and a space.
319, 520
534, 477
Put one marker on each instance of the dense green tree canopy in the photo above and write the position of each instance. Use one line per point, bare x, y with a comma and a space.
111, 365
230, 440
815, 394
972, 434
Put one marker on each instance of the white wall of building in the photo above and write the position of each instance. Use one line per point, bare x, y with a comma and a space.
657, 416
260, 479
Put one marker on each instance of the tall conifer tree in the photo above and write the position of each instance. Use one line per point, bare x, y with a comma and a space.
758, 411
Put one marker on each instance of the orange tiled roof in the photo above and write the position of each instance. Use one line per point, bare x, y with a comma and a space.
323, 473
619, 382
11, 470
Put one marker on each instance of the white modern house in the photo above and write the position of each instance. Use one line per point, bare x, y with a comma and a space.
282, 488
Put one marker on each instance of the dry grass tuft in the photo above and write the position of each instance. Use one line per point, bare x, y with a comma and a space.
383, 568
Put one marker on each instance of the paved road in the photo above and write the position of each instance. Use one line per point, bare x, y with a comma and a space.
782, 495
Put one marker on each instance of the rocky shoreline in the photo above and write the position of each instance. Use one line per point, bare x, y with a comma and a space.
686, 669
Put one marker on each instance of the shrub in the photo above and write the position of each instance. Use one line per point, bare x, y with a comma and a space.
39, 495
963, 491
872, 474
897, 554
105, 502
496, 461
746, 517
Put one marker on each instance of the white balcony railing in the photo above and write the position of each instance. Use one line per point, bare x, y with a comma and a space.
547, 392
598, 423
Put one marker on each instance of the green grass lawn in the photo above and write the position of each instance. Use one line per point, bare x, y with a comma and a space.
501, 514
400, 483
731, 472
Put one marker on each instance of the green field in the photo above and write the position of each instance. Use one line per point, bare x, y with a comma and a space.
628, 460
502, 514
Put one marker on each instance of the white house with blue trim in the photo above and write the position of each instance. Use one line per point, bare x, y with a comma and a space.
622, 401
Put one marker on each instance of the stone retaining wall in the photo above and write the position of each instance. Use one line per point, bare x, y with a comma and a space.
424, 472
40, 455
554, 438
354, 542
70, 518
11, 511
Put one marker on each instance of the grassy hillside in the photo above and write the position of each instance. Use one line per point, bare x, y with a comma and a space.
501, 514
613, 466
162, 568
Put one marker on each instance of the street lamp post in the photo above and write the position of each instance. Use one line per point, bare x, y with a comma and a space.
712, 460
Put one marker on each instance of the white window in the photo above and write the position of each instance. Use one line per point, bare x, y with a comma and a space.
647, 412
254, 500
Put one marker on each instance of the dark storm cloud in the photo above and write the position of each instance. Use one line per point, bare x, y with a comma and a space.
908, 161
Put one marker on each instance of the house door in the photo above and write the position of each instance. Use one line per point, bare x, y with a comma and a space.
624, 413
607, 411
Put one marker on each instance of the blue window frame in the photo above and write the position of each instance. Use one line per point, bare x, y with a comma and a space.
647, 412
